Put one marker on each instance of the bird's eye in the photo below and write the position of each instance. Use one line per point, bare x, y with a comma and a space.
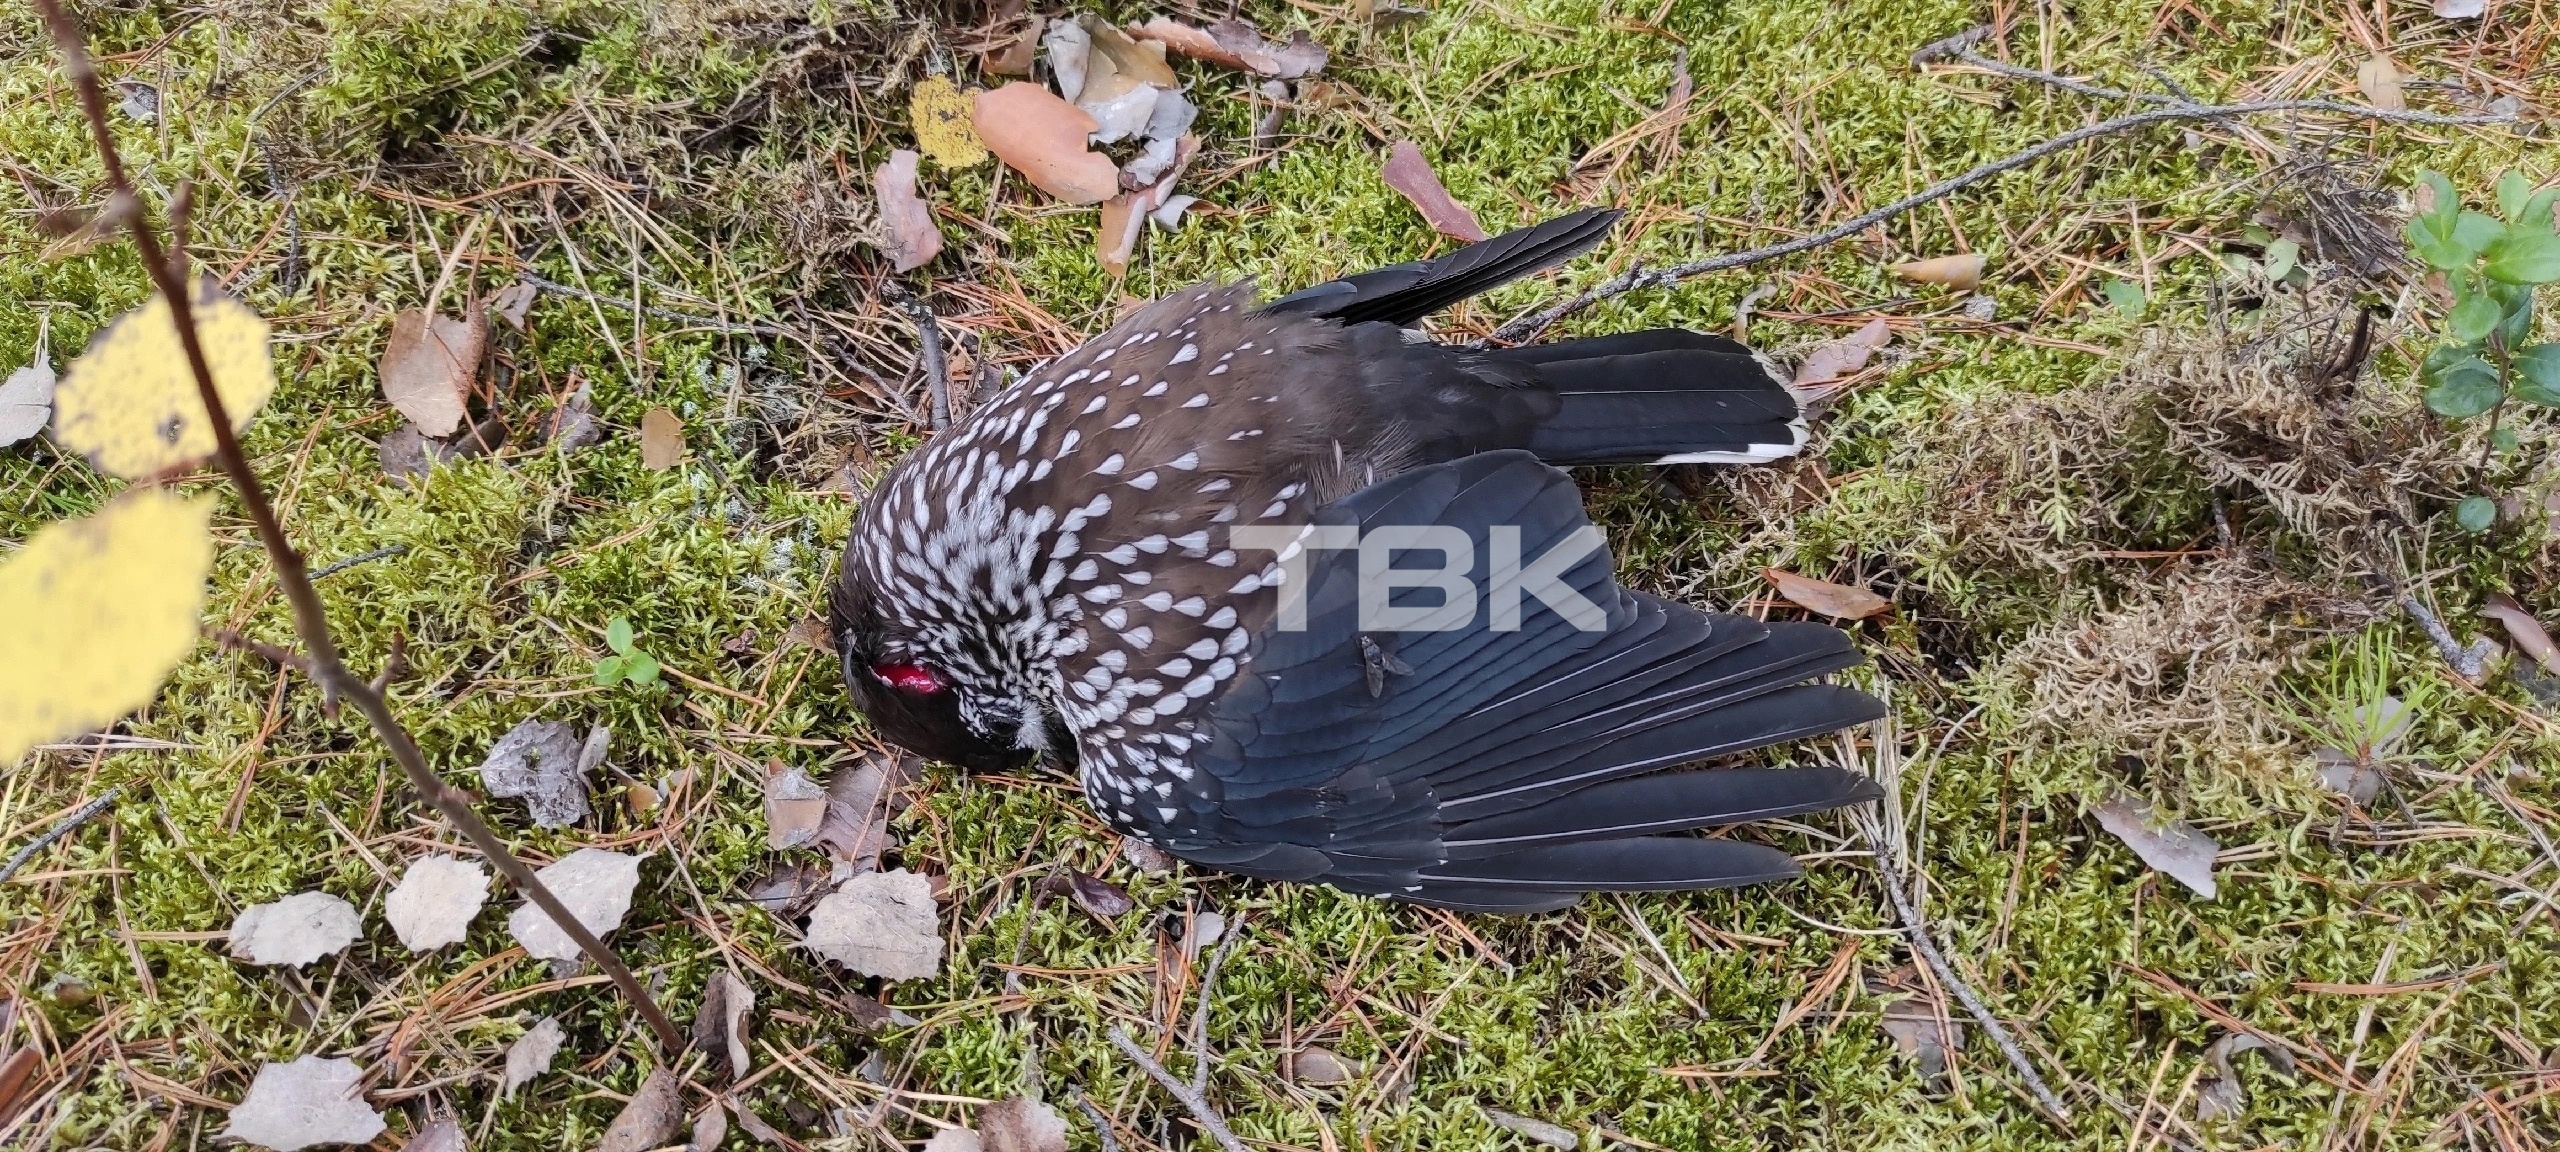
912, 678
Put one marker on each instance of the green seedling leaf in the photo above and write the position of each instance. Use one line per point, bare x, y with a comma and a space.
2465, 388
2538, 375
610, 670
617, 635
640, 668
2514, 189
2283, 256
2524, 254
2474, 317
2127, 297
2476, 514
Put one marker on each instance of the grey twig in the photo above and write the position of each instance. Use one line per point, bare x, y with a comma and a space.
61, 828
334, 567
937, 374
1101, 1123
713, 323
1917, 930
2172, 109
1197, 1104
2472, 662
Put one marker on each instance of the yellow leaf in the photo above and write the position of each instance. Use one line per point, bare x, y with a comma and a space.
942, 115
130, 402
95, 612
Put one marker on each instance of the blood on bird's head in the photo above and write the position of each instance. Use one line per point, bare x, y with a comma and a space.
911, 705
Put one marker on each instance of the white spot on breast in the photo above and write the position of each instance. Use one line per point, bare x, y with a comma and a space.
1110, 465
1214, 485
1138, 576
1157, 388
1128, 421
1114, 660
1122, 554
1143, 481
1097, 404
1102, 593
1201, 649
1185, 354
1199, 401
1151, 545
1116, 619
1039, 471
1277, 507
1140, 637
1192, 541
1252, 582
1220, 370
1158, 601
1068, 442
1236, 642
1185, 462
1225, 558
1175, 667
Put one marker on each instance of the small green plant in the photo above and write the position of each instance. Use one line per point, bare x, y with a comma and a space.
627, 662
2494, 266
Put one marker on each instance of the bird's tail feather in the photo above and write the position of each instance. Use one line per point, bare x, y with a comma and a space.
1665, 396
1405, 293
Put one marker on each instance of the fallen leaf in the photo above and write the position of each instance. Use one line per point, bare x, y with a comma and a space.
17, 1075
1015, 1124
1844, 356
141, 101
939, 112
100, 608
955, 1140
2219, 1094
811, 632
794, 805
1962, 273
1538, 1131
1144, 856
294, 931
1407, 172
2348, 776
2460, 9
1167, 142
1926, 1034
1016, 56
537, 761
907, 235
26, 398
1069, 46
130, 402
720, 1028
408, 453
311, 1101
661, 440
2522, 628
531, 1055
2380, 83
879, 924
429, 364
1207, 928
1117, 240
1822, 597
575, 425
651, 1118
513, 303
435, 901
862, 798
591, 751
788, 889
710, 1130
441, 1134
756, 1126
1044, 138
1100, 898
596, 886
1238, 45
1316, 1065
2175, 847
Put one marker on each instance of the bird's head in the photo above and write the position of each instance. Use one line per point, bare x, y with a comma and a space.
912, 698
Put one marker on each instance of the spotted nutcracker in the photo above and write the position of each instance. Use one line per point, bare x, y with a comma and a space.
1109, 564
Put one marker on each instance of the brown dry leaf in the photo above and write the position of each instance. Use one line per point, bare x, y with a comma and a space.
720, 1028
879, 924
652, 1118
309, 1102
939, 113
435, 901
793, 806
1100, 898
1015, 57
1317, 1065
1407, 172
1962, 273
661, 440
429, 365
531, 1055
1144, 856
575, 425
294, 931
2219, 1094
710, 1130
17, 1076
809, 631
787, 889
1118, 237
1822, 597
596, 886
1555, 1136
2175, 847
441, 1134
1844, 356
1015, 1124
907, 235
862, 799
1238, 45
1043, 137
513, 303
2380, 83
2526, 631
1925, 1033
538, 760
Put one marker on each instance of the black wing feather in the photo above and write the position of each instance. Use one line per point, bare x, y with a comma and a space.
1404, 293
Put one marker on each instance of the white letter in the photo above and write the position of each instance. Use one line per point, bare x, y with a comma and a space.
1542, 579
1457, 607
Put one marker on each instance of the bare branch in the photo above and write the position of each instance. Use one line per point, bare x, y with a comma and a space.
61, 828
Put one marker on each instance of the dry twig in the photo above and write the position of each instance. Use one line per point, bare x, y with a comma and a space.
61, 828
1194, 1096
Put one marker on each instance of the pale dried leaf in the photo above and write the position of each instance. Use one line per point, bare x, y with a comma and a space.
2522, 628
1117, 239
1238, 45
1962, 273
1100, 898
788, 889
537, 761
595, 885
2219, 1093
1016, 56
1144, 856
794, 806
513, 303
2348, 776
720, 1027
939, 113
1318, 1065
1925, 1033
26, 401
294, 931
408, 453
661, 439
429, 364
907, 234
2174, 847
862, 798
1044, 138
1844, 356
955, 1140
650, 1119
435, 900
1407, 172
710, 1130
879, 924
310, 1102
1554, 1136
1015, 1124
2460, 9
531, 1054
441, 1134
1207, 929
1839, 601
755, 1125
2380, 83
575, 426
1069, 46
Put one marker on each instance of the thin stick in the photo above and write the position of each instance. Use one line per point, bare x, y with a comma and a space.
1918, 933
714, 323
937, 374
310, 619
1197, 1104
334, 567
1101, 1123
1526, 327
61, 828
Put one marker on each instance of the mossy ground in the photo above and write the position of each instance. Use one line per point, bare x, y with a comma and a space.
714, 153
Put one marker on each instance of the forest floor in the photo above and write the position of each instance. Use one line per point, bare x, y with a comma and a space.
2139, 534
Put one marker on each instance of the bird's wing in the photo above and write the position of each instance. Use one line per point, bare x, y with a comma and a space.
1501, 769
1405, 293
